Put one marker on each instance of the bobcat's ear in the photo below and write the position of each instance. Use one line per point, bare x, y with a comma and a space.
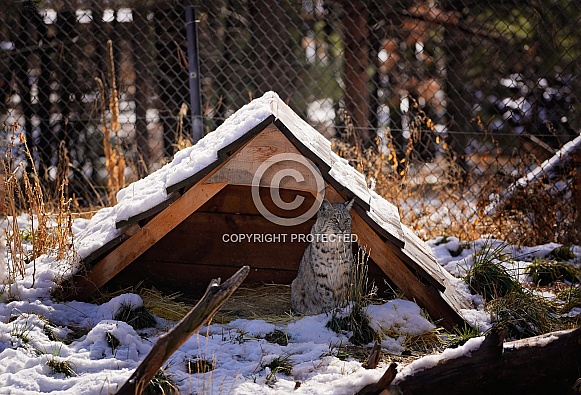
325, 207
349, 204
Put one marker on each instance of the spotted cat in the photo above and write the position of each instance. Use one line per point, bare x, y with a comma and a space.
322, 281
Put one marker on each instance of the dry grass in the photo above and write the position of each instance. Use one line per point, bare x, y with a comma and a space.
183, 140
114, 156
536, 214
169, 307
426, 343
436, 196
269, 302
402, 177
50, 230
164, 306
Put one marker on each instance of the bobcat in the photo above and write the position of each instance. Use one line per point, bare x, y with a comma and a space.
322, 281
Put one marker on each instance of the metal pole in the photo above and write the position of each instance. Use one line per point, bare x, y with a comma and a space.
194, 74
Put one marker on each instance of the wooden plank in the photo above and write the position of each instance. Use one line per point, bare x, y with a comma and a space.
392, 265
172, 197
244, 164
322, 156
222, 239
386, 215
144, 238
223, 154
364, 204
378, 228
319, 151
417, 257
296, 130
190, 278
238, 199
89, 261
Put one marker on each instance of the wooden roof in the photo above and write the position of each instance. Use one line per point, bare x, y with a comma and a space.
401, 255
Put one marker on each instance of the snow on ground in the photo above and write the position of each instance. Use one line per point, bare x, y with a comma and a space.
457, 257
31, 329
238, 350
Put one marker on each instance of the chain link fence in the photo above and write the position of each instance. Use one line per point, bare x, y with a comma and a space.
455, 110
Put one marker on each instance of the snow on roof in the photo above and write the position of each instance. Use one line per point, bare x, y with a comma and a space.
151, 190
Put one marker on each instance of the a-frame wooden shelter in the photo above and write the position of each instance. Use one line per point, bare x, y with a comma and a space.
188, 238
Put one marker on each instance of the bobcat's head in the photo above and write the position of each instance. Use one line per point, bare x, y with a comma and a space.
334, 218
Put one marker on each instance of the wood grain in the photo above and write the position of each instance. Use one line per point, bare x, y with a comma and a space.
244, 164
545, 364
144, 238
223, 239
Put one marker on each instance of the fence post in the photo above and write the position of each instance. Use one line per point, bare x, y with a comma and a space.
577, 193
194, 74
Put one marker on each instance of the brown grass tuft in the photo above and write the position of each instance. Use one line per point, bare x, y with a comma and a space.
48, 233
114, 156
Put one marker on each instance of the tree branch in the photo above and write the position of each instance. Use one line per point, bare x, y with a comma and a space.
167, 344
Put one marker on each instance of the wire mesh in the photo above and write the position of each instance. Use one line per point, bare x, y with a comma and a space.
448, 107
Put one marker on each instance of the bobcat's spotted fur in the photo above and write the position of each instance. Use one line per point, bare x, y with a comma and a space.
322, 282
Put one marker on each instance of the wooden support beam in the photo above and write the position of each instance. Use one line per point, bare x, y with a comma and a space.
216, 295
148, 235
427, 297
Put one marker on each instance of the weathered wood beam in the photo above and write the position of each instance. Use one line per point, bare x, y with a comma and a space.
545, 364
216, 295
87, 283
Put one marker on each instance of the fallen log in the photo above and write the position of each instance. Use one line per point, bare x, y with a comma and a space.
167, 344
383, 383
546, 364
546, 169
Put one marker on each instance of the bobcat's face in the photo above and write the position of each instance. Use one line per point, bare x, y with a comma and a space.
334, 219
